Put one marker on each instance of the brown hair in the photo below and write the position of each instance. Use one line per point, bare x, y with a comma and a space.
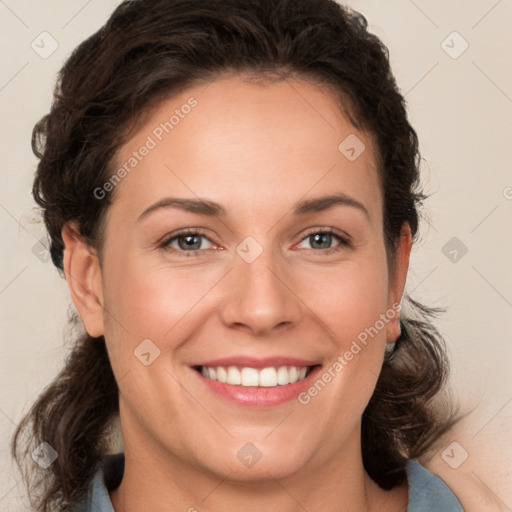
147, 51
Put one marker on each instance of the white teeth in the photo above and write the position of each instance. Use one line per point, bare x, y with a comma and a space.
222, 374
282, 376
264, 377
234, 376
249, 377
268, 377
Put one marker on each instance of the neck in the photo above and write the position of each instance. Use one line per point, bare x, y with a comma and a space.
158, 481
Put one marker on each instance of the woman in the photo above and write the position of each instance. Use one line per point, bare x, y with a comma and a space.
231, 191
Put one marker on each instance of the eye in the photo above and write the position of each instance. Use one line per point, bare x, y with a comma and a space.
187, 241
193, 241
323, 240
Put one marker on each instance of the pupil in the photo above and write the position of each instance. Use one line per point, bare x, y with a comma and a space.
324, 239
190, 242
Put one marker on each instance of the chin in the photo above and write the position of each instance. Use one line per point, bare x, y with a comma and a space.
255, 462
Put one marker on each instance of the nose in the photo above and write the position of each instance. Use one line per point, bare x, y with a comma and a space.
259, 298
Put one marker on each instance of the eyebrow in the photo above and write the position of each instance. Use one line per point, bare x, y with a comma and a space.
201, 206
211, 208
319, 204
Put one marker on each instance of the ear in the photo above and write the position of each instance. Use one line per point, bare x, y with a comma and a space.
83, 274
397, 280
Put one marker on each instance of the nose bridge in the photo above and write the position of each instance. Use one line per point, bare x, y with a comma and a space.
257, 297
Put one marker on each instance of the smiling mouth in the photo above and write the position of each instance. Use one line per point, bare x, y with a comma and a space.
271, 376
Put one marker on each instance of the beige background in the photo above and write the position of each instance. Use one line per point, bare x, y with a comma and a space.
462, 110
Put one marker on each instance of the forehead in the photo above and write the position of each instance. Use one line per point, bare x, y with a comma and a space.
245, 143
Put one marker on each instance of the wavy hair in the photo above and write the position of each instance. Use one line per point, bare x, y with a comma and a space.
147, 51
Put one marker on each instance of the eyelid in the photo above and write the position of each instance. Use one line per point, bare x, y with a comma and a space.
343, 237
331, 231
164, 243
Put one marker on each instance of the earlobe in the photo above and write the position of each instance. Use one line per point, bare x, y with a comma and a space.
83, 274
398, 278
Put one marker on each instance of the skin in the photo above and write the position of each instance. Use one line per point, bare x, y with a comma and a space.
256, 149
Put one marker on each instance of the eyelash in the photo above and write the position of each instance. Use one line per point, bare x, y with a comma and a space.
344, 242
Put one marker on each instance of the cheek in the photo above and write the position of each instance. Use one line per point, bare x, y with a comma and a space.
158, 305
349, 303
350, 298
148, 302
152, 302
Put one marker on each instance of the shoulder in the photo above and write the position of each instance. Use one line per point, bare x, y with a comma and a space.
428, 492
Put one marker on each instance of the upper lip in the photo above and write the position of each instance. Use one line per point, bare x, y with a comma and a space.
255, 362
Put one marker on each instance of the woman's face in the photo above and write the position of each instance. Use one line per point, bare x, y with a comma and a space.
287, 269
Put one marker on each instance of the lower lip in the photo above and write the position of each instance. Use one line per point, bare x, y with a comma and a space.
255, 396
